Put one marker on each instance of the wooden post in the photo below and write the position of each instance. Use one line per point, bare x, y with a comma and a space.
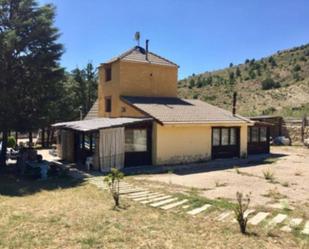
3, 150
43, 138
303, 125
30, 139
16, 137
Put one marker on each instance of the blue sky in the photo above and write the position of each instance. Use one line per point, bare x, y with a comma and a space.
197, 35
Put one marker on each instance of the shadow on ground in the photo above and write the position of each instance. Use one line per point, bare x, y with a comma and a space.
213, 165
13, 185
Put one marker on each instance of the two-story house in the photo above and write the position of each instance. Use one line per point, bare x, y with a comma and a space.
139, 120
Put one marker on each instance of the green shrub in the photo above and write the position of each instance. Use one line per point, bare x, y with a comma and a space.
270, 84
297, 68
11, 142
113, 182
240, 209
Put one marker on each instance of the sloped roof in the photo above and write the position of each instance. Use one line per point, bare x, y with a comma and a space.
175, 110
93, 112
138, 54
98, 123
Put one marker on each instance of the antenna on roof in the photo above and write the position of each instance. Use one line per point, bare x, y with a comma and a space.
137, 37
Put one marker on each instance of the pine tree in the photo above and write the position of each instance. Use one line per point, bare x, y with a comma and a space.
29, 65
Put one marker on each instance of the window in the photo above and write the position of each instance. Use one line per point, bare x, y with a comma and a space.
108, 73
225, 136
108, 104
216, 136
136, 140
254, 134
233, 138
263, 134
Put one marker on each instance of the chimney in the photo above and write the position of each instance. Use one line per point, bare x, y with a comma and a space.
234, 102
147, 42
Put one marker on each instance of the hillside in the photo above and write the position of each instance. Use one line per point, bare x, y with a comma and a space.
278, 84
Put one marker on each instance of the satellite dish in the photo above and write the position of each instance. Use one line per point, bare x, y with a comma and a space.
137, 37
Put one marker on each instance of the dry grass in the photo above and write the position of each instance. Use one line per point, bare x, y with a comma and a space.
61, 213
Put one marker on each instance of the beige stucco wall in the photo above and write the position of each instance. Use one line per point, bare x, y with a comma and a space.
175, 144
135, 79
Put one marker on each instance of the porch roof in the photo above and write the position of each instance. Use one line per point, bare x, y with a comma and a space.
98, 123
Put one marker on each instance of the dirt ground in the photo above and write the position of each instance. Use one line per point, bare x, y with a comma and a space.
289, 184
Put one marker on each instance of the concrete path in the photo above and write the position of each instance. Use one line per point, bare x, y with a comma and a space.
148, 197
224, 215
161, 203
156, 199
306, 229
198, 210
173, 205
138, 194
279, 218
293, 223
258, 218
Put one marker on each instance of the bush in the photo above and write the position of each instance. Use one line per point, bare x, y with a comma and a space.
113, 182
240, 209
297, 68
11, 142
269, 175
270, 84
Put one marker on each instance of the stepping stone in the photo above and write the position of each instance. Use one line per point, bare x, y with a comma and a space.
258, 218
293, 223
160, 203
198, 210
138, 194
156, 199
279, 218
131, 191
175, 204
223, 216
306, 229
246, 214
185, 206
148, 197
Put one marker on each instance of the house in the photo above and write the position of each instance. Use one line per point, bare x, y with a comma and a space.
139, 120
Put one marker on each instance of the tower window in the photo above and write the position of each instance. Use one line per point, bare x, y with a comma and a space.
108, 73
108, 104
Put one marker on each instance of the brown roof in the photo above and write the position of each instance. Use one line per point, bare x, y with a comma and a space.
99, 123
93, 112
138, 54
176, 110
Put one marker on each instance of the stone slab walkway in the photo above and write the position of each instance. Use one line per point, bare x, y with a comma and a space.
167, 202
259, 217
199, 210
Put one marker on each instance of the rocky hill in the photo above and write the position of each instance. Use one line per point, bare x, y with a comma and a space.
278, 84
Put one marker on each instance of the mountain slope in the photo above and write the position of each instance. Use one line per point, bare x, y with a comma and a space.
278, 84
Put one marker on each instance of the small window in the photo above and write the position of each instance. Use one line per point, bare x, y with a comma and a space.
108, 73
225, 136
263, 134
136, 140
233, 136
108, 104
216, 136
254, 134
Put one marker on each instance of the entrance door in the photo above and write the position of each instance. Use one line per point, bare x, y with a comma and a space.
225, 142
138, 145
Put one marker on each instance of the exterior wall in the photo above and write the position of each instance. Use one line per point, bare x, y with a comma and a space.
175, 144
67, 145
135, 79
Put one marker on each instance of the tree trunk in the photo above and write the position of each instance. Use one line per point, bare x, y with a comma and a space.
3, 150
43, 138
30, 139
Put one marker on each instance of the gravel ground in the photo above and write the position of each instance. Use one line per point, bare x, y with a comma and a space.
289, 165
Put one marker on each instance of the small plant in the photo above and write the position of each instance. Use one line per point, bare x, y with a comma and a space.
285, 184
237, 170
298, 173
269, 175
11, 142
113, 181
219, 184
240, 209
